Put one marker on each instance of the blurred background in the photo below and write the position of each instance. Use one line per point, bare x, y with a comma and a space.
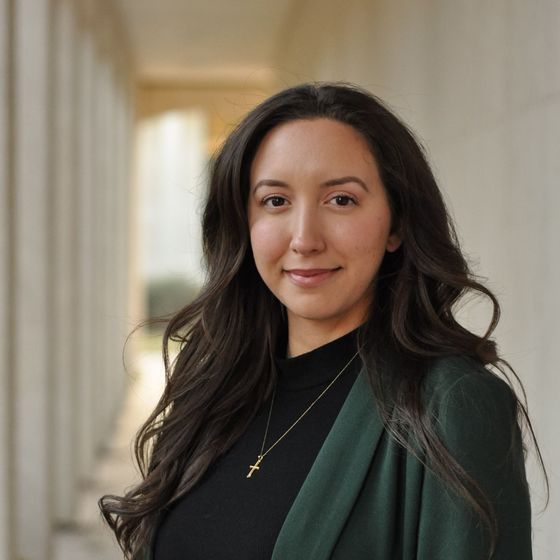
110, 111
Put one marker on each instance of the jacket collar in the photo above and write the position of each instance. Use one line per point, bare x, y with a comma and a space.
326, 498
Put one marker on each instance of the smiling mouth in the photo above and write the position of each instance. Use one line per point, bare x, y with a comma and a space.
310, 277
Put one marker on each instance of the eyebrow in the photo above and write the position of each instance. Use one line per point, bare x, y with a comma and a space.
329, 183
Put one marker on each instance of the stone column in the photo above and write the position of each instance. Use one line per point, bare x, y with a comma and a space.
111, 369
85, 212
120, 202
125, 202
100, 263
6, 380
65, 300
32, 315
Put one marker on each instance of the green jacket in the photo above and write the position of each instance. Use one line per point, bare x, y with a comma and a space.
365, 498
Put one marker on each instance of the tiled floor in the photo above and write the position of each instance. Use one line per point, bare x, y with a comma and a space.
91, 539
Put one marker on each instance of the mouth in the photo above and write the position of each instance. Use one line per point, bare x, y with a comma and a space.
310, 277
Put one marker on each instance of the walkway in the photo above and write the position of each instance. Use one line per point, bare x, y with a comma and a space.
91, 539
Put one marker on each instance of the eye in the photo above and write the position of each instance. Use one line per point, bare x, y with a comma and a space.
274, 201
342, 200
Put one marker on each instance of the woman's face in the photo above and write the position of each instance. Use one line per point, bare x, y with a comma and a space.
319, 221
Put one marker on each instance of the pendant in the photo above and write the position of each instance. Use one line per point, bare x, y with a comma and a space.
255, 467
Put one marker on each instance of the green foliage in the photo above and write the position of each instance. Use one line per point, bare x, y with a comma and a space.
168, 295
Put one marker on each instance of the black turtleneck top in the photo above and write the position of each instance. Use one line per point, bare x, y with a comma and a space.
227, 515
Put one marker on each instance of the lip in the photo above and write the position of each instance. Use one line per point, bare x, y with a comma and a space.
310, 277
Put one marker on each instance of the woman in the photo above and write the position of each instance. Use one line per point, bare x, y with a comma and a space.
325, 402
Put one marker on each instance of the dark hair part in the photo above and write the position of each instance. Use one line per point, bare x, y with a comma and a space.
221, 377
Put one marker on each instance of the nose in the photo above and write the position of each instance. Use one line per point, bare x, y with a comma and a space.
307, 233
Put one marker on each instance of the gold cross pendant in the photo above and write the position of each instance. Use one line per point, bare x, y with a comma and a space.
255, 467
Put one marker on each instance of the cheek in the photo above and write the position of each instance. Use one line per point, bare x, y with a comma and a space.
367, 237
267, 242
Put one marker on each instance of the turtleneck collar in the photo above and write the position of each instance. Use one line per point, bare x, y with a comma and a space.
319, 366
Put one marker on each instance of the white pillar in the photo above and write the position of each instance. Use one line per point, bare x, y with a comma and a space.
112, 370
6, 501
100, 241
103, 67
86, 300
124, 203
65, 318
119, 204
32, 329
120, 209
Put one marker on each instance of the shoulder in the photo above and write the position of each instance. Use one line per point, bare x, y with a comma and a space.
474, 413
474, 410
454, 379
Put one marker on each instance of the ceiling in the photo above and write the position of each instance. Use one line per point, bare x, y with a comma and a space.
198, 41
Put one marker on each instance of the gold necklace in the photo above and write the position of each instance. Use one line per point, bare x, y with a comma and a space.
262, 455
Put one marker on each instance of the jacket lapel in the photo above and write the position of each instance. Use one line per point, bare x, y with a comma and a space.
324, 502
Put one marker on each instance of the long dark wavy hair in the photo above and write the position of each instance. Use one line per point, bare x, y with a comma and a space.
222, 375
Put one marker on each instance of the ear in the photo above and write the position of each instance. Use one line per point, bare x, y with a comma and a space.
393, 242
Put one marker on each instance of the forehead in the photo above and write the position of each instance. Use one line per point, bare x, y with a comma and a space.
310, 144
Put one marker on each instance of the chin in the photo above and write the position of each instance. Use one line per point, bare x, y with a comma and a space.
324, 309
315, 313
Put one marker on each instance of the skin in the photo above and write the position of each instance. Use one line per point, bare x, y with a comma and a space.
320, 224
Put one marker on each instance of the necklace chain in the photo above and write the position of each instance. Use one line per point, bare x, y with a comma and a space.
263, 453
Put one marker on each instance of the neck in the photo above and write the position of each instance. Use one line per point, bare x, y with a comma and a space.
304, 336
